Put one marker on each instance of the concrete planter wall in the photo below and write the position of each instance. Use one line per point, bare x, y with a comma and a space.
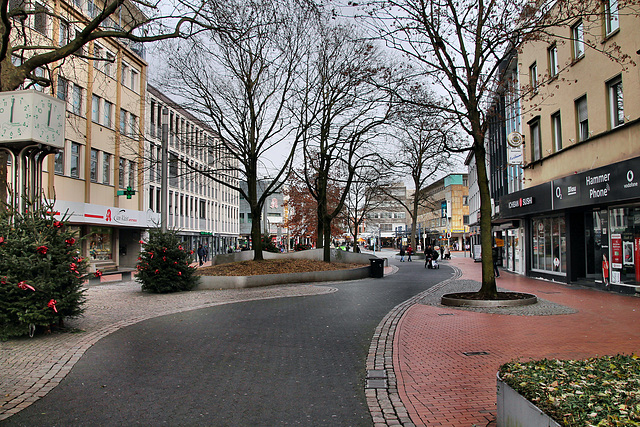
516, 411
313, 254
236, 282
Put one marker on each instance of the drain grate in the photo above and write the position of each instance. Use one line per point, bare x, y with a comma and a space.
475, 353
446, 314
376, 378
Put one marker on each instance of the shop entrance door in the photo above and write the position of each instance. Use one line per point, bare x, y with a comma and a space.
596, 243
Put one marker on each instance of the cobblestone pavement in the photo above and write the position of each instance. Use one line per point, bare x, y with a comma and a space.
30, 368
438, 385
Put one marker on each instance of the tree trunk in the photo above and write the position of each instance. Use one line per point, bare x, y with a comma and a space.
256, 235
488, 289
326, 253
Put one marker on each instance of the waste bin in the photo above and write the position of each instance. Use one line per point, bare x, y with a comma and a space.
377, 267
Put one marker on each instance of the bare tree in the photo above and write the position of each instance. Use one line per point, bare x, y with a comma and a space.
340, 109
421, 155
239, 82
458, 47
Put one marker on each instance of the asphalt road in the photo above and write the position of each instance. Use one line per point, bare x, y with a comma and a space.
289, 361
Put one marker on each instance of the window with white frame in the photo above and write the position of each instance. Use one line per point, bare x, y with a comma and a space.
134, 79
125, 72
536, 140
76, 101
62, 91
59, 162
554, 68
616, 107
108, 63
533, 77
75, 160
108, 108
121, 172
577, 38
93, 173
133, 120
106, 168
556, 128
63, 32
582, 118
611, 16
132, 174
95, 109
123, 121
97, 55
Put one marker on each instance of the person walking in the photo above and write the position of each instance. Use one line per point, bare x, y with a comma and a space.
428, 255
495, 253
447, 253
409, 252
200, 254
401, 253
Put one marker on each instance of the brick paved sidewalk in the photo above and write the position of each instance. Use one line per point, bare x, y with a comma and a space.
440, 386
31, 367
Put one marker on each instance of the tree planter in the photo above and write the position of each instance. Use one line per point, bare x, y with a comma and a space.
516, 411
505, 299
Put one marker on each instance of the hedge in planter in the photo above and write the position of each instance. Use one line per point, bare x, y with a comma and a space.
164, 265
41, 272
601, 391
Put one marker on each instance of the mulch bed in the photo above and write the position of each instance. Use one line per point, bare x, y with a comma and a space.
272, 266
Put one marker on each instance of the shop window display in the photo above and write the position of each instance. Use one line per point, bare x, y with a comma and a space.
549, 245
624, 223
100, 247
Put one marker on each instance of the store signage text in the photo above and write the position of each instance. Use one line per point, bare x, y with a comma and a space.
523, 201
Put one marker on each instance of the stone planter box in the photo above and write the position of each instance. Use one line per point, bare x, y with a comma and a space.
516, 411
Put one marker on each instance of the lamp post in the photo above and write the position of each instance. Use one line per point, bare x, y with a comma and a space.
165, 161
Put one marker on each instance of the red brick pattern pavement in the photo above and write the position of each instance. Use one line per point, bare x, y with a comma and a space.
440, 386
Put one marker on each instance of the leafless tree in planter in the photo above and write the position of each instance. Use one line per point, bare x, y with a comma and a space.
458, 46
240, 83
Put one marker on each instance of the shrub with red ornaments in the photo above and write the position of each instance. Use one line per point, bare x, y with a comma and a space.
164, 264
41, 272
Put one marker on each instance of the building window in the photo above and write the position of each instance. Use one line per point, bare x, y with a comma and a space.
132, 174
108, 107
97, 55
577, 38
77, 100
132, 124
59, 162
556, 128
616, 107
63, 33
95, 109
152, 192
536, 140
106, 168
62, 91
241, 217
611, 16
94, 165
75, 160
582, 117
134, 79
554, 68
121, 166
108, 63
40, 19
533, 77
125, 71
549, 245
123, 122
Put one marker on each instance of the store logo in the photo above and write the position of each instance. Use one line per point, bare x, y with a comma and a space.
572, 190
630, 182
524, 201
122, 218
558, 193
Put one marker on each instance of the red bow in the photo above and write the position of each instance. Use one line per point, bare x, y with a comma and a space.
52, 304
23, 285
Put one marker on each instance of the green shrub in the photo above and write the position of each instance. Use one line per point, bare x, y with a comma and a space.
600, 392
268, 245
41, 272
164, 265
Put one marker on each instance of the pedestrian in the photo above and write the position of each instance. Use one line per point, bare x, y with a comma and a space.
447, 253
442, 251
206, 252
200, 254
428, 254
494, 254
409, 252
401, 253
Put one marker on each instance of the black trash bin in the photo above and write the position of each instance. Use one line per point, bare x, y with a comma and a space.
377, 267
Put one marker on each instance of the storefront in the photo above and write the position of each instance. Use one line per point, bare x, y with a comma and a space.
111, 235
584, 228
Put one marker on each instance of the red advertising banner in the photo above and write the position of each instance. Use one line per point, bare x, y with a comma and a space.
616, 251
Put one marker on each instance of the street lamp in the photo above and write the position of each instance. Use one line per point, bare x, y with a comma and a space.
165, 162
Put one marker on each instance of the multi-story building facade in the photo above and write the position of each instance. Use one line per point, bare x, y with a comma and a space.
202, 210
273, 220
445, 216
581, 204
388, 221
103, 88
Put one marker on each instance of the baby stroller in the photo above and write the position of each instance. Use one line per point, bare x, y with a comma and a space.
431, 261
